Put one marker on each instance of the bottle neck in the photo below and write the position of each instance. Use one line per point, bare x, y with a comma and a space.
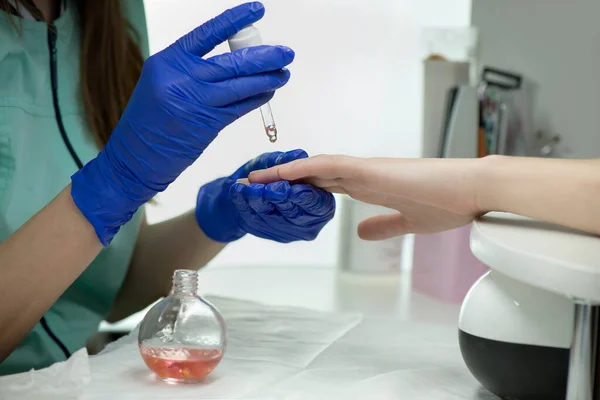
185, 283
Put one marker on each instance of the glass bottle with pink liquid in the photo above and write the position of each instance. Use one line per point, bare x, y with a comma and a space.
183, 337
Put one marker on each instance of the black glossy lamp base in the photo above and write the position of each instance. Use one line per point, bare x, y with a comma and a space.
516, 371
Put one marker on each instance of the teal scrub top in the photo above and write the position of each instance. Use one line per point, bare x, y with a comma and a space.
35, 166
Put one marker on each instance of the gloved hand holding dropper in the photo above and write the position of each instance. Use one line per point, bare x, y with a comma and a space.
180, 104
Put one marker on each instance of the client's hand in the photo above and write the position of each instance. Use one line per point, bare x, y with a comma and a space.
431, 195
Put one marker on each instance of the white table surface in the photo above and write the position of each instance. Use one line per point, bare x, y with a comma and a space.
321, 289
412, 347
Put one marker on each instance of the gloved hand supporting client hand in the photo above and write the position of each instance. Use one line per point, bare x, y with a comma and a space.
226, 210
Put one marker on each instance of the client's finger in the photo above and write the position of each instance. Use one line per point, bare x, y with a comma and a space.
270, 175
383, 227
321, 167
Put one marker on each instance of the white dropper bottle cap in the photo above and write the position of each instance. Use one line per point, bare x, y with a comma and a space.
247, 37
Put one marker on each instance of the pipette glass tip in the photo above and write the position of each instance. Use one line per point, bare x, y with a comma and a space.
269, 122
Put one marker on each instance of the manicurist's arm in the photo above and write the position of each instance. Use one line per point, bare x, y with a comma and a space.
38, 262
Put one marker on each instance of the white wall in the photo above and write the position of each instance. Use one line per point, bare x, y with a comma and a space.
554, 44
356, 89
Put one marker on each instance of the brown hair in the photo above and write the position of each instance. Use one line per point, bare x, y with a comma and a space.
110, 65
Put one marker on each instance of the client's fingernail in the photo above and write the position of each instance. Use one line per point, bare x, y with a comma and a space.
253, 174
243, 181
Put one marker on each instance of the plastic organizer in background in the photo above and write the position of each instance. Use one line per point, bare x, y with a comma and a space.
444, 267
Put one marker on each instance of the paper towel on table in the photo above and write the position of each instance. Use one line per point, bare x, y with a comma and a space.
63, 380
283, 353
266, 345
385, 359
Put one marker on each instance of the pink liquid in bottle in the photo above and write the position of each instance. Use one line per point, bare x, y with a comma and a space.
180, 364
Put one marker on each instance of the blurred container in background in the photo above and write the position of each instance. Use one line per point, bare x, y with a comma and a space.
357, 255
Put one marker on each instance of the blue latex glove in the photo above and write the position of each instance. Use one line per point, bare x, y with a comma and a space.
178, 107
227, 210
